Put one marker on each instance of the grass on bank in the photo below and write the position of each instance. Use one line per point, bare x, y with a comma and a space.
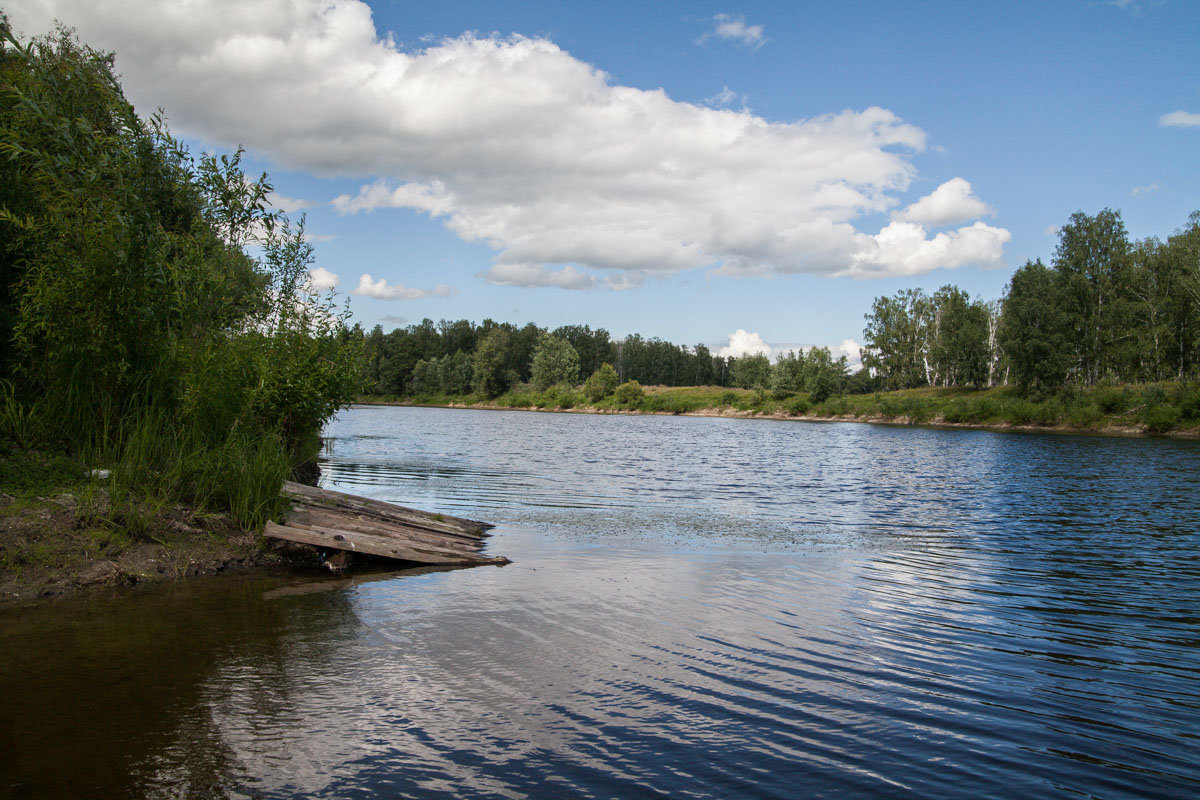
1153, 408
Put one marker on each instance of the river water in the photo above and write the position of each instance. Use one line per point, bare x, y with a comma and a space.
696, 608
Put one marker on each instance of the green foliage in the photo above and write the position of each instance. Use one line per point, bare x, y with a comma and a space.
629, 393
1112, 399
491, 373
142, 332
752, 371
798, 406
1160, 418
1034, 329
601, 383
554, 361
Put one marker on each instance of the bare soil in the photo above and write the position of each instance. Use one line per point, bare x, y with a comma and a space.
54, 546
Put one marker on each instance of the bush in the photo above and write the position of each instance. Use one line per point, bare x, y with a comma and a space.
1187, 398
1084, 414
601, 383
1048, 413
629, 394
1020, 412
729, 398
798, 406
1160, 418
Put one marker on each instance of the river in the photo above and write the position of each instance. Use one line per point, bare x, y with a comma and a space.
696, 607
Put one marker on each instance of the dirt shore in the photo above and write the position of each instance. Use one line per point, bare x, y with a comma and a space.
52, 546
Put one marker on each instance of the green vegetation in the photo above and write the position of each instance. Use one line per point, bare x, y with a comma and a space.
1108, 316
157, 315
1155, 408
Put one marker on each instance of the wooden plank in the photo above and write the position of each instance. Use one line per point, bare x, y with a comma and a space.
339, 521
307, 516
330, 498
373, 545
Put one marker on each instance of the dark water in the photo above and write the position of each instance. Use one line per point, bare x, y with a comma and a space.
697, 608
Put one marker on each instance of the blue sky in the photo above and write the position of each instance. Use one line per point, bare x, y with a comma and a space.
756, 166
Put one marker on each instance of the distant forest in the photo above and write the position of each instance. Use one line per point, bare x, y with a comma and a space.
1106, 310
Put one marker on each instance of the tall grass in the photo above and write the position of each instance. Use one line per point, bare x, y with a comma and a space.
158, 461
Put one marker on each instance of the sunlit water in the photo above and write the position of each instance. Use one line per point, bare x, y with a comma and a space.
696, 608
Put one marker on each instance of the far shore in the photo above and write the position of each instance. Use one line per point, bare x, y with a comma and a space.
871, 419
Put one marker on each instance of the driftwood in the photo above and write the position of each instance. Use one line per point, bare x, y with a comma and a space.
339, 521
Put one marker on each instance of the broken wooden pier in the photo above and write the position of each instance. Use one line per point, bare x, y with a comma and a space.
340, 521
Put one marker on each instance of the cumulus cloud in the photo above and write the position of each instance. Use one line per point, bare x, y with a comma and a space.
730, 28
742, 343
382, 290
573, 180
1142, 191
949, 203
321, 279
1179, 119
1051, 230
902, 248
288, 205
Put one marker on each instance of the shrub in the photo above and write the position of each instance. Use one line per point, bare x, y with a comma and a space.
1020, 412
1187, 398
601, 383
798, 406
1160, 418
956, 412
1084, 414
629, 393
729, 398
1112, 400
1048, 413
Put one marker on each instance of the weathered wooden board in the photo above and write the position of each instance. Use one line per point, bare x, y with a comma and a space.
339, 521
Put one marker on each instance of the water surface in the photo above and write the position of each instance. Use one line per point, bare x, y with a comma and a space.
696, 608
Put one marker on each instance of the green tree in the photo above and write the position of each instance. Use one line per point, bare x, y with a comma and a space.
1034, 329
491, 374
1091, 260
554, 361
897, 341
752, 371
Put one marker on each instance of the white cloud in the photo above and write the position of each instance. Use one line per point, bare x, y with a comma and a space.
1142, 191
382, 290
903, 249
742, 343
724, 98
321, 279
568, 277
951, 202
514, 143
1179, 119
1051, 230
732, 28
288, 205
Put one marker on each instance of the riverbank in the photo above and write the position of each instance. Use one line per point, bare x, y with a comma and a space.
59, 534
1153, 409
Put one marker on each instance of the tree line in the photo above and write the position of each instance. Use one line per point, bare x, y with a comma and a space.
1105, 310
460, 357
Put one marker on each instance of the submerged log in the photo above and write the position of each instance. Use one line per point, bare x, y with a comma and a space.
340, 521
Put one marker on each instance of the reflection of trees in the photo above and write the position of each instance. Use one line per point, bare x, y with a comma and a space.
106, 698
